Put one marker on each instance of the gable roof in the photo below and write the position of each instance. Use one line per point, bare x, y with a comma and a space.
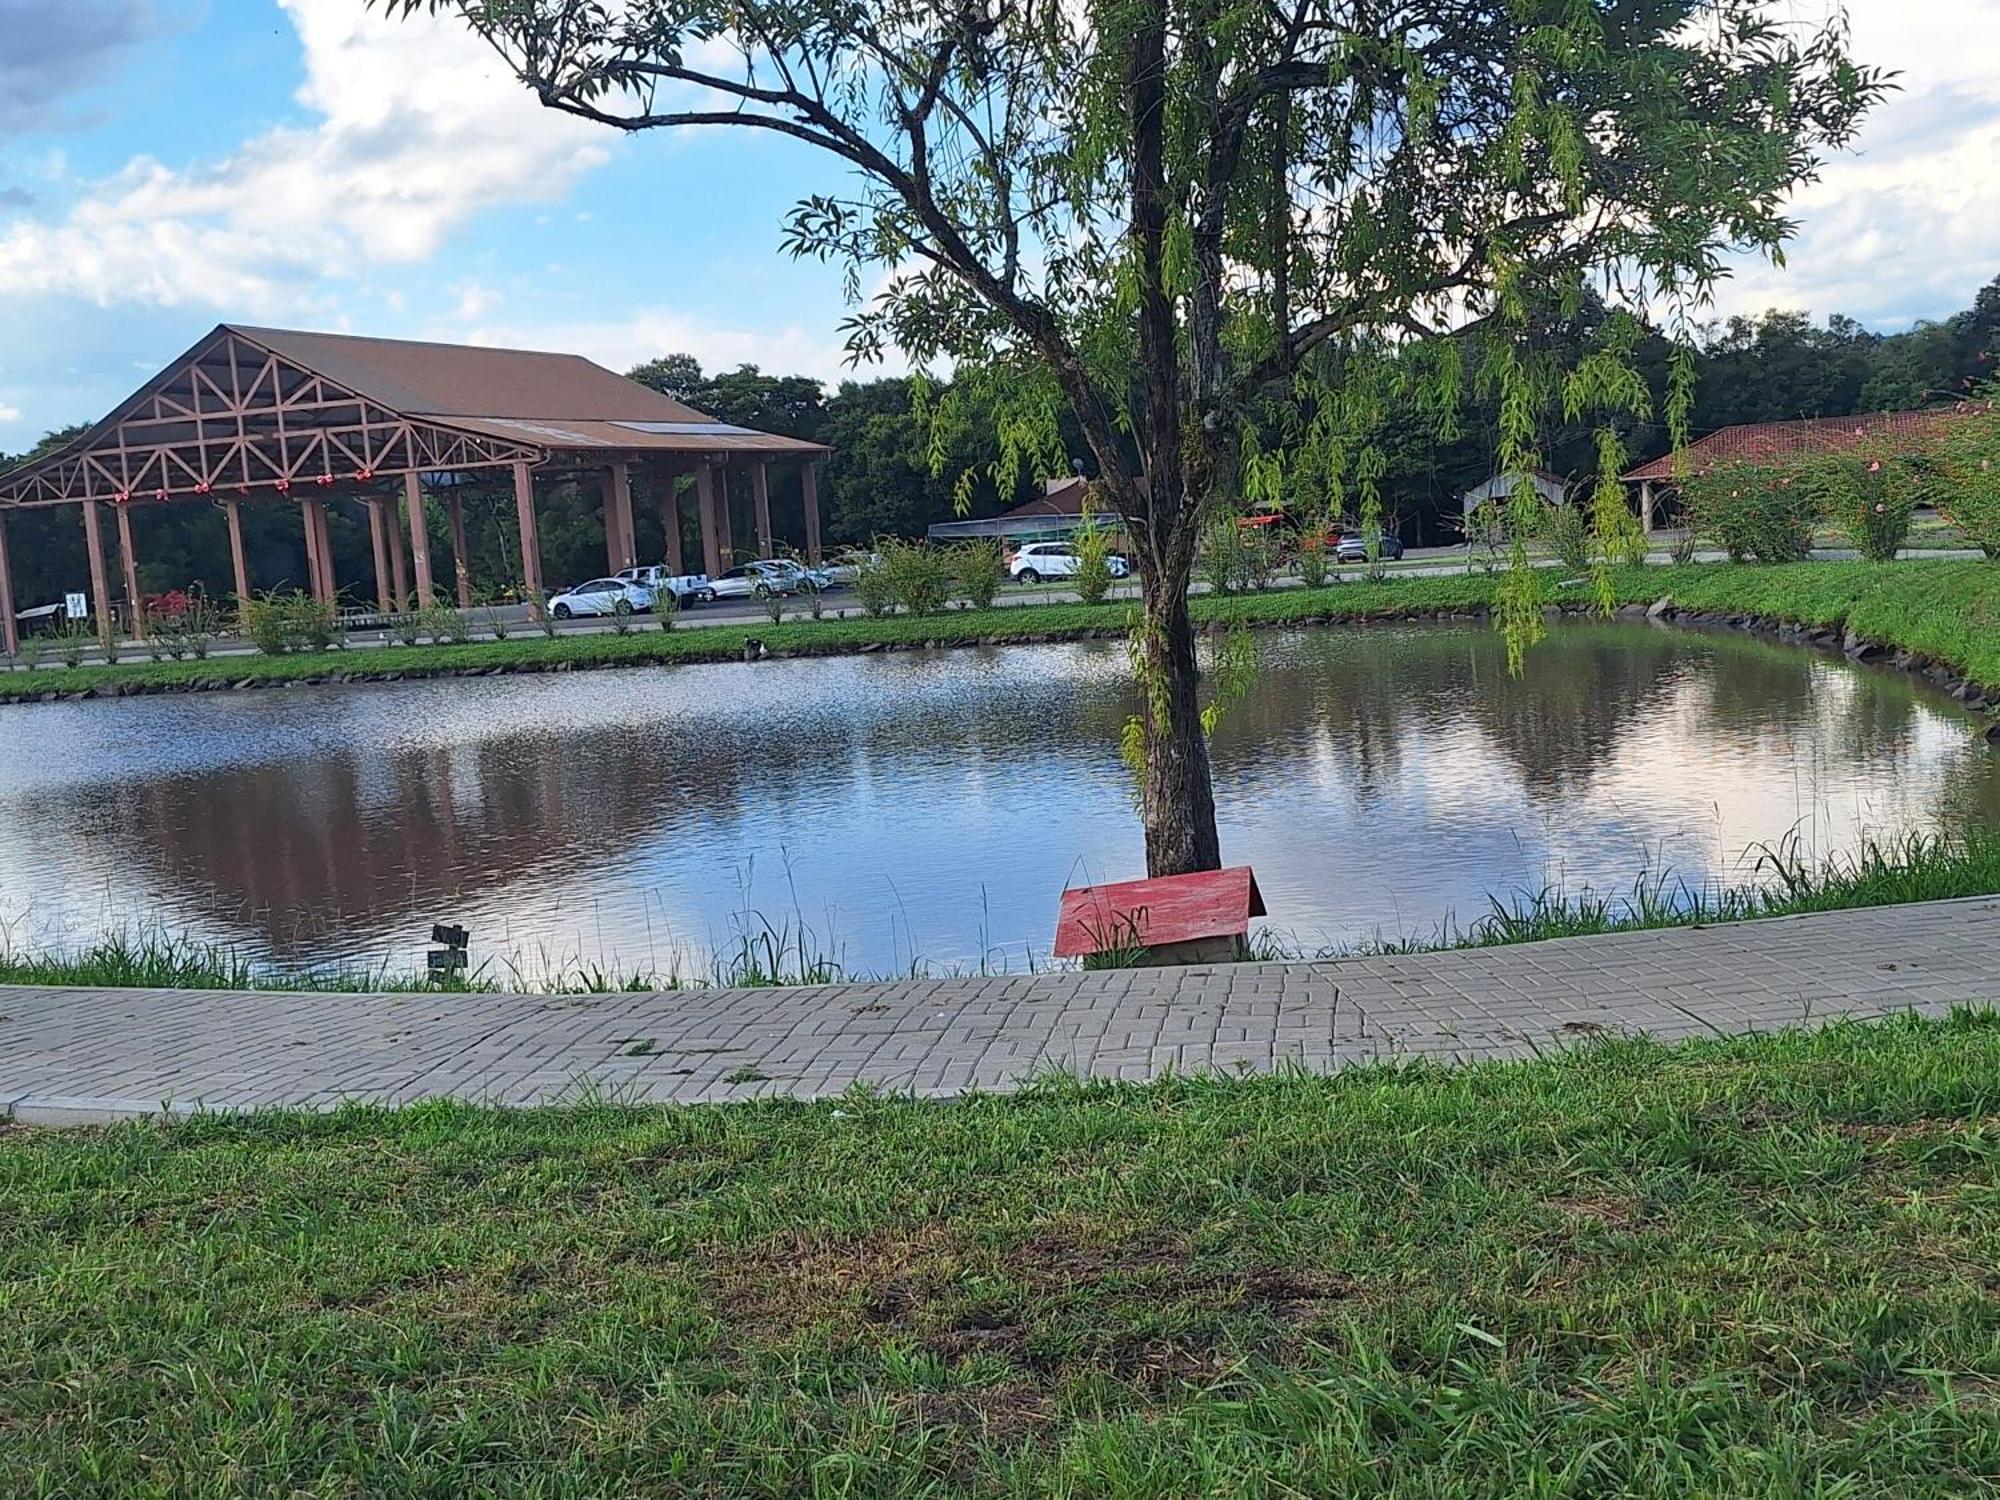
1755, 441
466, 380
1059, 497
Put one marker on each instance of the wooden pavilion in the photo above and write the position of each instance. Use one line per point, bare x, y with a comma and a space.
271, 416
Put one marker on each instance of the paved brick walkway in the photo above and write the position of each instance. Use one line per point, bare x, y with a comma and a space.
71, 1055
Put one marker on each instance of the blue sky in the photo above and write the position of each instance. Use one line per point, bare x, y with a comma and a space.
169, 164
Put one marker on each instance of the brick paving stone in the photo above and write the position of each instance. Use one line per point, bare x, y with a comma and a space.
80, 1055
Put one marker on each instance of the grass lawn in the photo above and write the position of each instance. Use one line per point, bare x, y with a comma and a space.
1748, 1267
1947, 610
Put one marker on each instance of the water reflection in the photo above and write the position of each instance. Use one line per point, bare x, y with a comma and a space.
931, 807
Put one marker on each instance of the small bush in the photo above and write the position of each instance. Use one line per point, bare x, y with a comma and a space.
1755, 511
1221, 559
72, 640
1566, 529
279, 623
874, 587
1314, 565
1966, 480
1260, 559
1092, 545
919, 576
666, 607
982, 568
1870, 495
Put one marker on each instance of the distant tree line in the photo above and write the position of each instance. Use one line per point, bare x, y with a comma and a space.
894, 471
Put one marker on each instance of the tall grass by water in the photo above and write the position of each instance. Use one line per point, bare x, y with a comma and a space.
762, 951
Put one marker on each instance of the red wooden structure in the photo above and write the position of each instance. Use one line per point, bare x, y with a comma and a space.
1175, 919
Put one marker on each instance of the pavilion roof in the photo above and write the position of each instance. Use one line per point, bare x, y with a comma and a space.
1754, 442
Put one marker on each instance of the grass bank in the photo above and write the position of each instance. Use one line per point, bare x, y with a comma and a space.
1943, 611
1919, 867
1747, 1267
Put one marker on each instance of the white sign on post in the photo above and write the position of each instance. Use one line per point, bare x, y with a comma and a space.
76, 606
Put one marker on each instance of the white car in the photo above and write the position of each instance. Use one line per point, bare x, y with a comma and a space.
1038, 560
687, 588
760, 580
601, 596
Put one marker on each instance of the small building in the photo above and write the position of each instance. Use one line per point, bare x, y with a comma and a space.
1051, 515
1500, 489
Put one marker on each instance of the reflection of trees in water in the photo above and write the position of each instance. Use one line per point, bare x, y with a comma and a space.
1586, 687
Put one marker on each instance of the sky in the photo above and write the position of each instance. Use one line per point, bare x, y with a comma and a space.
166, 165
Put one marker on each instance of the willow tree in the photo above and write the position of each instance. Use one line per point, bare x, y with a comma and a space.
1225, 234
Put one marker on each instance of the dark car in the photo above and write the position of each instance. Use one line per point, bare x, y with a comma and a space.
1353, 548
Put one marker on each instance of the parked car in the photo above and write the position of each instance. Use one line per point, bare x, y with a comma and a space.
687, 588
601, 596
847, 566
762, 579
1353, 548
1038, 560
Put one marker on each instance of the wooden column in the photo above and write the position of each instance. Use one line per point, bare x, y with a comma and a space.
624, 548
420, 538
399, 565
100, 586
809, 487
711, 532
239, 563
1646, 506
725, 533
130, 560
378, 540
531, 543
313, 575
460, 565
319, 550
10, 632
760, 494
669, 481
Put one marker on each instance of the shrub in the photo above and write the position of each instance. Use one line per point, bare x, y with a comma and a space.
982, 568
1221, 559
1314, 568
1260, 558
444, 623
666, 608
72, 640
1092, 545
1754, 511
279, 623
1566, 530
919, 576
1485, 529
874, 587
1870, 495
1966, 466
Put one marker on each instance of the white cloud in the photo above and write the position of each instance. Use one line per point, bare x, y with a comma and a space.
419, 128
1907, 224
9, 413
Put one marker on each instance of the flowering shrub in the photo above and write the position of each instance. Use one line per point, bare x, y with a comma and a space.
1755, 511
1966, 465
1314, 565
1870, 495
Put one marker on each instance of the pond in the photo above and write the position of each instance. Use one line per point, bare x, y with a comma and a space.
928, 808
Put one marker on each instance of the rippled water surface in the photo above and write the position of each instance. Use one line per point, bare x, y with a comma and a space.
931, 807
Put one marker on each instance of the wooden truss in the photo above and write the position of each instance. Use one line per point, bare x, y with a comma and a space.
233, 420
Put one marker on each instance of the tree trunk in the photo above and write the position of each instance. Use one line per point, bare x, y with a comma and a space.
1177, 801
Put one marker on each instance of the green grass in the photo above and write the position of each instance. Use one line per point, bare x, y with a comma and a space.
761, 953
1757, 1267
1947, 611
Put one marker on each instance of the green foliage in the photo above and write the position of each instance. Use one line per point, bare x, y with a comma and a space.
981, 568
1223, 565
1315, 567
1092, 544
666, 608
916, 576
73, 639
188, 632
1966, 483
280, 623
1764, 512
1566, 530
1870, 494
874, 586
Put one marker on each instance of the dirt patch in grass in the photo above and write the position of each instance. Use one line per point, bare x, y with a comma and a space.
1612, 1213
955, 1298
